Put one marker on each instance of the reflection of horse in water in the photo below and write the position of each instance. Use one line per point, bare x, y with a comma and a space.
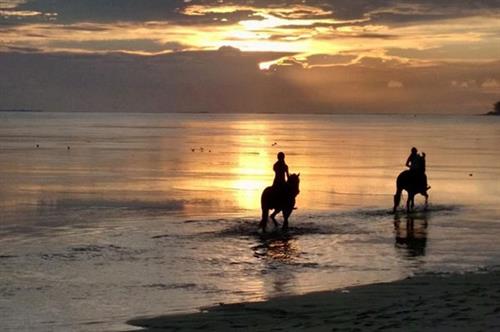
413, 239
414, 183
275, 251
279, 199
278, 248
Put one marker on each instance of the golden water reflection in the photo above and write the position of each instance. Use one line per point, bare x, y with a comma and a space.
211, 164
240, 164
253, 176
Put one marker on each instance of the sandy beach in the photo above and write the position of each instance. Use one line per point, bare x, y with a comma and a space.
466, 302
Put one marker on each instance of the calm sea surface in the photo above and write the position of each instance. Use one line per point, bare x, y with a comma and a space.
115, 216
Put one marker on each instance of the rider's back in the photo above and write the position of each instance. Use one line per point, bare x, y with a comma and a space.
280, 171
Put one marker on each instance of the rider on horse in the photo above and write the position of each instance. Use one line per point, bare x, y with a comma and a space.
280, 173
414, 181
416, 163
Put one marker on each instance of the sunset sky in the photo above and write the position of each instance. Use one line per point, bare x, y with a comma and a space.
250, 56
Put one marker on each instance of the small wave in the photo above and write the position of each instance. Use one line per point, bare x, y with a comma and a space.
364, 213
7, 256
358, 194
433, 209
162, 236
298, 227
169, 205
135, 127
187, 286
351, 222
95, 248
444, 208
91, 252
211, 221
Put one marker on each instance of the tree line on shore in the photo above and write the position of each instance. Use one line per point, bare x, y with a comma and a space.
496, 109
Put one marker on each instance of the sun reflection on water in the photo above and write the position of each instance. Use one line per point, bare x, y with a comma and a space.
252, 174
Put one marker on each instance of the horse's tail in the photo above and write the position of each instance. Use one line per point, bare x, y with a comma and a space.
265, 208
397, 195
397, 199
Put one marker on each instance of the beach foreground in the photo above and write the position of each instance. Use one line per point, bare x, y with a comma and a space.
466, 302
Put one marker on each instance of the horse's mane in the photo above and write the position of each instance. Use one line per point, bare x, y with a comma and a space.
293, 178
293, 182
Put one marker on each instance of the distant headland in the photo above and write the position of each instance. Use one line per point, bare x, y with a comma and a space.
21, 110
496, 109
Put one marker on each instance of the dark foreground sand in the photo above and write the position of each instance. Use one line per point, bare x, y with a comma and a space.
469, 302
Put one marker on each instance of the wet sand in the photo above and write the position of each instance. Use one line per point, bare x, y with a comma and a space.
467, 302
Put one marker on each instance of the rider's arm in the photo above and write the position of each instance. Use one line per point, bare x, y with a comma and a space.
408, 161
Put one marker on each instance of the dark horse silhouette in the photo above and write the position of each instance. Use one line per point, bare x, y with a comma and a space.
414, 183
279, 200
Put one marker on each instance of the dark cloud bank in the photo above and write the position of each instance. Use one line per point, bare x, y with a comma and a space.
380, 11
230, 81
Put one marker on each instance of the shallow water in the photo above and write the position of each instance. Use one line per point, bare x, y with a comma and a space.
148, 214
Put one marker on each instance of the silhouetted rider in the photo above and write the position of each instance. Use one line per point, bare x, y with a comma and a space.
280, 172
414, 160
416, 163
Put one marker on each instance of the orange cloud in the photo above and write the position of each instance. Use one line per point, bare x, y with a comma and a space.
304, 30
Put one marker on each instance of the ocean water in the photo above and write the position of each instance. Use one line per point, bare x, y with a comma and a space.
115, 216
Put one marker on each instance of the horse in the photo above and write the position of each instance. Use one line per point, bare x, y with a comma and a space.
279, 200
414, 183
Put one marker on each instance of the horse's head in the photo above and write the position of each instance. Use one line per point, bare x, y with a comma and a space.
293, 183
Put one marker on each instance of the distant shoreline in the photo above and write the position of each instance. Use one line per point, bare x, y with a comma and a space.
21, 110
250, 113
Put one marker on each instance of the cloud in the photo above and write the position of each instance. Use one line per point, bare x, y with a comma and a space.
324, 54
293, 11
387, 11
10, 4
490, 83
421, 29
392, 84
317, 60
125, 45
19, 13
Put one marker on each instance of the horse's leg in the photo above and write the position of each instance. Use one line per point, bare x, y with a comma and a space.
286, 214
263, 221
410, 202
397, 199
273, 216
426, 195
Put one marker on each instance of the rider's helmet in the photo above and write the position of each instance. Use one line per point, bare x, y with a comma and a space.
281, 156
413, 150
